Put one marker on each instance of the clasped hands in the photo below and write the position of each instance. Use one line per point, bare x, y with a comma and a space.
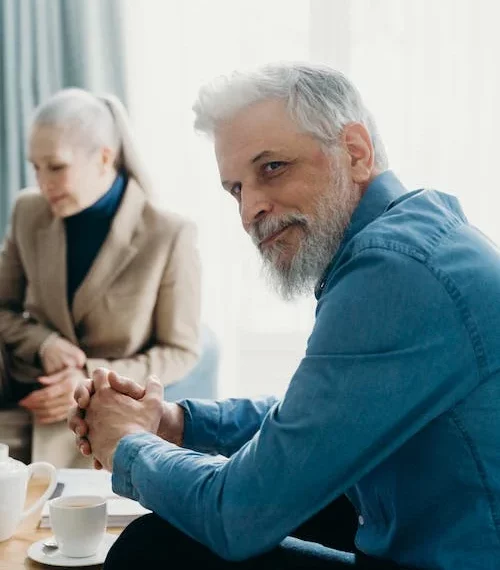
112, 406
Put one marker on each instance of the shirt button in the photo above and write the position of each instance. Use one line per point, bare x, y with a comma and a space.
361, 520
26, 315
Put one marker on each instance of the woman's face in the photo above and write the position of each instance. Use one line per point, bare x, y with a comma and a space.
70, 176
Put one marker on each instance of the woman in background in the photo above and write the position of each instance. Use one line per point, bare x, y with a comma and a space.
92, 273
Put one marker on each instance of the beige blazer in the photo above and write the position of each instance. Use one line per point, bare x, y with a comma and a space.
137, 310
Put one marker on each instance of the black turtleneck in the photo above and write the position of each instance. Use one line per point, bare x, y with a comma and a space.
86, 232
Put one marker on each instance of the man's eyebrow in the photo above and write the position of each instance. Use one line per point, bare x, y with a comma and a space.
263, 154
227, 184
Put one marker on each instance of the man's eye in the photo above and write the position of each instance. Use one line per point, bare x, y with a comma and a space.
56, 167
272, 166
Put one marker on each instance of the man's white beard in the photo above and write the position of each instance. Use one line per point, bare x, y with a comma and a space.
322, 235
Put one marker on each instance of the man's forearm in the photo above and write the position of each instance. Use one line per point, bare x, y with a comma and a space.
213, 426
222, 426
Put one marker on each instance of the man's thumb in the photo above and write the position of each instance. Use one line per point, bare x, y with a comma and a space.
125, 386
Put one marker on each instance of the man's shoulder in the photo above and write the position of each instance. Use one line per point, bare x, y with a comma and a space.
415, 225
416, 231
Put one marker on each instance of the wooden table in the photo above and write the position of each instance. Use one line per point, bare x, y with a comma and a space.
13, 551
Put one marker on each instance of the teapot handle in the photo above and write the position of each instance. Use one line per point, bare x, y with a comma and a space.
51, 470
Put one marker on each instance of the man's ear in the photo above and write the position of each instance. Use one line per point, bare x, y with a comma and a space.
359, 146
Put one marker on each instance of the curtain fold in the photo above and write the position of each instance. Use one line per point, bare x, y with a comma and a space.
46, 45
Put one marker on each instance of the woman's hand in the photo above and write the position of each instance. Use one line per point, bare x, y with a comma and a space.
52, 403
59, 353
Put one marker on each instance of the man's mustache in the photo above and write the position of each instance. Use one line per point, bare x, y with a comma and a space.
266, 227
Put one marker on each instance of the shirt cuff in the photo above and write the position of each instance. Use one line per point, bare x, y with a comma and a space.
123, 461
201, 424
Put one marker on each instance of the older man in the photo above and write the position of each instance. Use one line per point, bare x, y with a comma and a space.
397, 400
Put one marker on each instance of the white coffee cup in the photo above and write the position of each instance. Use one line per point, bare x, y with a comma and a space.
79, 524
14, 477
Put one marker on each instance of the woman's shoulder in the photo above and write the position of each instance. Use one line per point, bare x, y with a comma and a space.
155, 217
164, 221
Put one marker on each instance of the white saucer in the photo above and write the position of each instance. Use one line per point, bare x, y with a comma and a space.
55, 558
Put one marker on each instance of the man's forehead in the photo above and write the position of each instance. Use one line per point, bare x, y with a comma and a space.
260, 128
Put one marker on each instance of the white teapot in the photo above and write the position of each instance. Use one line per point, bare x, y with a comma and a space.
14, 477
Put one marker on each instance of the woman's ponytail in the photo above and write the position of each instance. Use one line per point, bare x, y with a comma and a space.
128, 156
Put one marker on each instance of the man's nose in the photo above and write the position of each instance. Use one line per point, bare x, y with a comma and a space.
254, 205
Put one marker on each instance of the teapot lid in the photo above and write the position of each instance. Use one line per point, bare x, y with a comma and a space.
8, 465
4, 452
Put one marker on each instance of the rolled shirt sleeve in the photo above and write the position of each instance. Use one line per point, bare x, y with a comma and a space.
223, 426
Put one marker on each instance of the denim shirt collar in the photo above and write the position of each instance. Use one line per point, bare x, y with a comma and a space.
378, 197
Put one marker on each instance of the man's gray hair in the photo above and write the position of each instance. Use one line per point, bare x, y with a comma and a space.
95, 122
321, 100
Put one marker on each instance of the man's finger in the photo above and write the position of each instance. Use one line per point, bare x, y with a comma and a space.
83, 392
77, 424
84, 446
100, 378
125, 386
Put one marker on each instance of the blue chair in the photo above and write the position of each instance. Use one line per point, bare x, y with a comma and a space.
201, 380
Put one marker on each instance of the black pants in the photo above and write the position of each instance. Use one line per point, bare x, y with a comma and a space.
326, 541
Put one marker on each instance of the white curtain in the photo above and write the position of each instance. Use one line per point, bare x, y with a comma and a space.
426, 68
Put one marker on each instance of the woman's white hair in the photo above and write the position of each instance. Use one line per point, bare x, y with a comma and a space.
95, 122
320, 100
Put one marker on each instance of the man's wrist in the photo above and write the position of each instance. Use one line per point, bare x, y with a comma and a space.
171, 426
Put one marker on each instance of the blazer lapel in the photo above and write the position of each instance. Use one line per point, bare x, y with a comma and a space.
116, 252
52, 276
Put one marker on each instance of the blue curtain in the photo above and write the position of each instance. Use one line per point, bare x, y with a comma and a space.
46, 45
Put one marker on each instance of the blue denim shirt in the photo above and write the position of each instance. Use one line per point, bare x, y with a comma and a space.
396, 403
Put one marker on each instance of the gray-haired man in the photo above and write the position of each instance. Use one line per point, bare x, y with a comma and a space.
397, 400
